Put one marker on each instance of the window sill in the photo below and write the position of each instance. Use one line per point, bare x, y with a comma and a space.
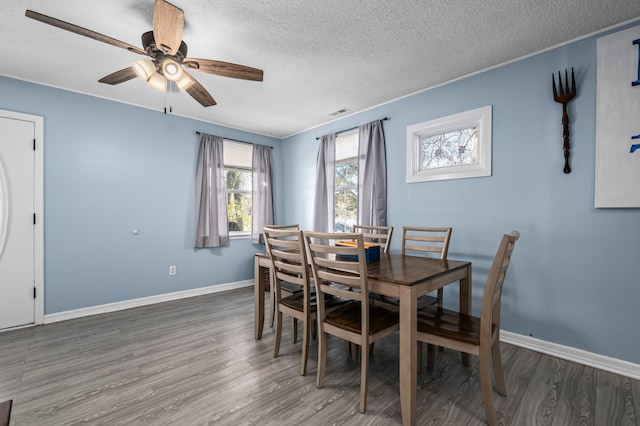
240, 235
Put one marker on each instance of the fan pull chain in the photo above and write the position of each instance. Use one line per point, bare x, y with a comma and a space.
165, 99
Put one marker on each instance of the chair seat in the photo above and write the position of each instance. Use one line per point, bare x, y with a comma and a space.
290, 288
449, 324
349, 317
423, 301
296, 301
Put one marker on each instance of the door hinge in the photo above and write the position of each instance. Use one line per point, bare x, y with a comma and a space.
34, 144
34, 292
34, 218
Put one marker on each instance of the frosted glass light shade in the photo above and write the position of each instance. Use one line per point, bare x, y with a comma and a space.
172, 70
158, 82
144, 68
184, 82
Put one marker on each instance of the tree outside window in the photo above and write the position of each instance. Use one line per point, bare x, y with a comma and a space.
238, 178
346, 182
449, 149
238, 183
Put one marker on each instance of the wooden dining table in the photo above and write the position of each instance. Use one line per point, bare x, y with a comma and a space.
405, 278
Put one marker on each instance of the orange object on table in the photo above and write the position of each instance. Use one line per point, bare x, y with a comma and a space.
371, 250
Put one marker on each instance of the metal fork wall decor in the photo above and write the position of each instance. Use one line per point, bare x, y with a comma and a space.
563, 94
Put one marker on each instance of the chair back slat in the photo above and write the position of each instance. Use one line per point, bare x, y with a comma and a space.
292, 226
377, 234
426, 240
330, 266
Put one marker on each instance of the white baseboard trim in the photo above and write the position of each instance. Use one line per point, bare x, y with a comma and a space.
143, 301
613, 365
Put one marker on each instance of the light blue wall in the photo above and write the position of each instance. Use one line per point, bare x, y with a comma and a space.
111, 168
574, 278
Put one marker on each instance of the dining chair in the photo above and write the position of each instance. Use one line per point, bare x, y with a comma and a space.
377, 234
289, 264
474, 335
432, 241
341, 271
286, 288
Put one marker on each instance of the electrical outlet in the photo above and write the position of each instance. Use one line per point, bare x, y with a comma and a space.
172, 270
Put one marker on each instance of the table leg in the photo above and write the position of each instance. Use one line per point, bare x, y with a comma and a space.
258, 289
465, 306
408, 362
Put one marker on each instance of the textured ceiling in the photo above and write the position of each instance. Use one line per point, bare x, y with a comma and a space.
317, 56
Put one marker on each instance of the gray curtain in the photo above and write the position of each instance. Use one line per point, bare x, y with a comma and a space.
325, 185
262, 195
211, 204
372, 175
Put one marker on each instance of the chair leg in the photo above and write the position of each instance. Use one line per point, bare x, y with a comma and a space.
305, 347
314, 329
431, 356
497, 368
294, 329
440, 299
352, 350
364, 367
272, 316
419, 356
276, 349
322, 358
485, 385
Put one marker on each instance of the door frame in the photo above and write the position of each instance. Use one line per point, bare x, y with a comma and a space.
38, 198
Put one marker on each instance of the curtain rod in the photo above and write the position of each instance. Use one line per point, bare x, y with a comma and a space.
235, 140
355, 127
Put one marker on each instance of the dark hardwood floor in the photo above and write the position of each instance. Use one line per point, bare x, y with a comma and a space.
195, 362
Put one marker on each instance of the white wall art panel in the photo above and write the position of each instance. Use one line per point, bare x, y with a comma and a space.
617, 172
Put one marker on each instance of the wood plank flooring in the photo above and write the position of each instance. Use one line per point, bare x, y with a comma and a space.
195, 362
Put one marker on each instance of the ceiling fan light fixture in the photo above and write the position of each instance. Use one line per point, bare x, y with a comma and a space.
158, 82
144, 68
172, 69
184, 82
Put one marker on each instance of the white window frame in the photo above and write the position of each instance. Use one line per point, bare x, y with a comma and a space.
479, 117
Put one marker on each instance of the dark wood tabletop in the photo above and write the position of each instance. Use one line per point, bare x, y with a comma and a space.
410, 270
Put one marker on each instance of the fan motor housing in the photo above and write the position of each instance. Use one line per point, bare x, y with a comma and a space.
149, 45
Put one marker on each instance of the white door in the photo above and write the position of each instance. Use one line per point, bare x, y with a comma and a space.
17, 230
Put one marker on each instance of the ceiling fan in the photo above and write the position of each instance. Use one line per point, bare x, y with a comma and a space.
168, 55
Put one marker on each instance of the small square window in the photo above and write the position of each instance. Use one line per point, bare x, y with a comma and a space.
453, 147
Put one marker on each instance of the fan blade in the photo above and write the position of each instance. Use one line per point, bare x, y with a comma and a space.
82, 31
168, 25
119, 76
199, 93
225, 69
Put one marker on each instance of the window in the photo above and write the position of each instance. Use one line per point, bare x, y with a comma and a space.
346, 184
452, 147
238, 180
